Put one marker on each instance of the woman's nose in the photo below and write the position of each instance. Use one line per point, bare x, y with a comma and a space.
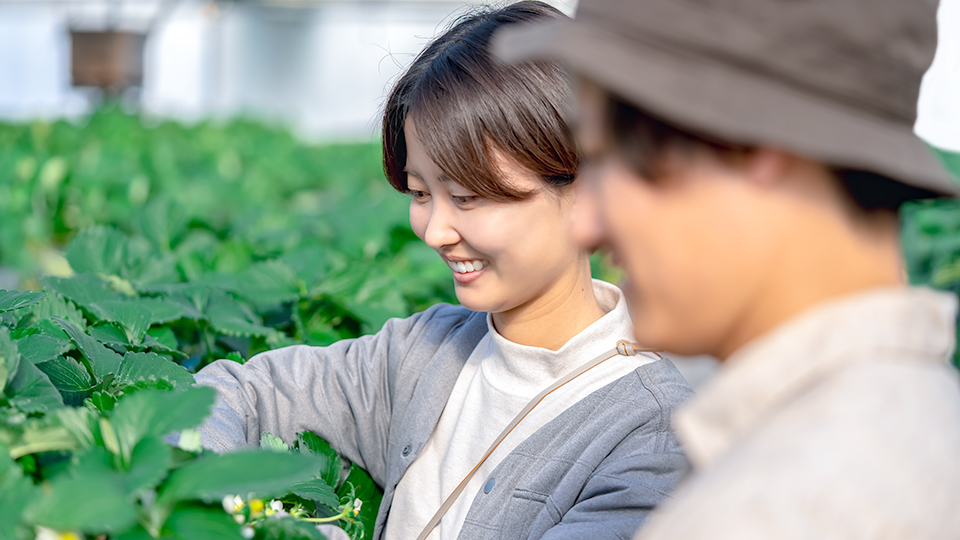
441, 228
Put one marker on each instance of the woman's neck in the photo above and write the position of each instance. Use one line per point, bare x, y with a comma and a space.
556, 316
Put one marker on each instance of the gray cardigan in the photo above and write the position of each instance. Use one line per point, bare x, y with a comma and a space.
595, 471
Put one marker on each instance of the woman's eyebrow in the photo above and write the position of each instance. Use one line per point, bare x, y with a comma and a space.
413, 173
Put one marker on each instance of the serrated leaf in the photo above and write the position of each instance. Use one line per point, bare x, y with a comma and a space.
129, 314
9, 359
82, 289
38, 348
56, 306
155, 413
211, 477
161, 221
268, 283
67, 505
227, 316
269, 441
164, 336
319, 491
108, 333
66, 374
148, 464
11, 300
163, 311
331, 466
101, 361
141, 366
98, 250
31, 390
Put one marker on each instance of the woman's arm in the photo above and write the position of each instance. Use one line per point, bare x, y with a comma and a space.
342, 392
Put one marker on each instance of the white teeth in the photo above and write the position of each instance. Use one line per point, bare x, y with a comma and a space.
464, 267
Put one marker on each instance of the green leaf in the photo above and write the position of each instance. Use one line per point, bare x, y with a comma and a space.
318, 490
92, 503
365, 489
32, 391
39, 348
211, 477
9, 359
290, 529
66, 374
98, 250
129, 314
38, 435
78, 423
148, 464
164, 336
163, 311
331, 467
268, 283
195, 522
227, 316
155, 413
16, 493
141, 366
268, 441
101, 360
83, 289
11, 300
56, 306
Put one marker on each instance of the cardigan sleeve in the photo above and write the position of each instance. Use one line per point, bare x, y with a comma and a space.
343, 393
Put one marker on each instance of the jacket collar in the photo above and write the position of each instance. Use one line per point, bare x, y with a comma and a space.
907, 323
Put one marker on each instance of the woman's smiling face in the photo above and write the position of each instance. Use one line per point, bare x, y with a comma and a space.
504, 255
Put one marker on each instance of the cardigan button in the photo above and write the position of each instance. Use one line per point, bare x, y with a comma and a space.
488, 487
406, 450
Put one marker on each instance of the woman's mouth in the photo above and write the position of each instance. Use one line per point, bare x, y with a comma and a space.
467, 271
465, 267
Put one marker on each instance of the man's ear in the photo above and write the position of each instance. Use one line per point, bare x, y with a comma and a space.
766, 166
586, 223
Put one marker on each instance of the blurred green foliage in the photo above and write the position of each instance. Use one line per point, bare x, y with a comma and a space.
195, 204
931, 239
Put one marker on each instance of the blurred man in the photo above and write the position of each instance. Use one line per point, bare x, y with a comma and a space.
745, 160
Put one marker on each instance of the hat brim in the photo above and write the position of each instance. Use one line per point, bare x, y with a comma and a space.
730, 103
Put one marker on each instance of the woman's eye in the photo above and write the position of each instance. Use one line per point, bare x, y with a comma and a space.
417, 195
464, 199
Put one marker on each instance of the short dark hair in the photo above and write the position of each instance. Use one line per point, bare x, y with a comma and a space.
468, 106
642, 141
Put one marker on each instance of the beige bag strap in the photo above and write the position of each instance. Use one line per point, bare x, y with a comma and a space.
623, 348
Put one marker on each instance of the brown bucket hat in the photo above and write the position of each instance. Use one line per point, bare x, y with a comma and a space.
832, 80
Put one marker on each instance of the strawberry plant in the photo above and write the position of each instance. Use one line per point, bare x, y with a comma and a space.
92, 379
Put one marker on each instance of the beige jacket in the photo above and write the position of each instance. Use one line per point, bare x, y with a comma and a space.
842, 423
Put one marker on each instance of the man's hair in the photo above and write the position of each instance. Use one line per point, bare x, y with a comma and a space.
468, 108
643, 141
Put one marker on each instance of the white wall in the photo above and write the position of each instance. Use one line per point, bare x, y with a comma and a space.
322, 69
938, 112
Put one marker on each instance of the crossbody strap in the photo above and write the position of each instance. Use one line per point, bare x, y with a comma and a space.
623, 348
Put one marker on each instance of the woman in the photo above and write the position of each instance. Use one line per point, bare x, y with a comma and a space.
483, 152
